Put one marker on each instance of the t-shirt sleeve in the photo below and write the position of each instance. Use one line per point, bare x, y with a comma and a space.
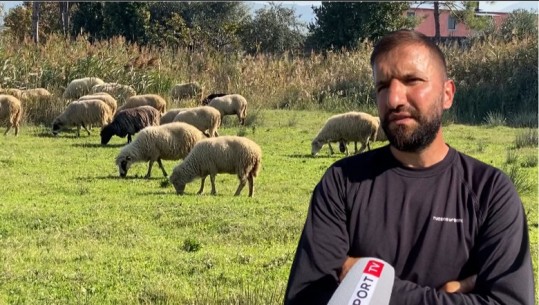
323, 245
501, 255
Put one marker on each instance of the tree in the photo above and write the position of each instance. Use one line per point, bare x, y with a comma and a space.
343, 24
35, 21
18, 22
88, 18
519, 24
273, 30
127, 19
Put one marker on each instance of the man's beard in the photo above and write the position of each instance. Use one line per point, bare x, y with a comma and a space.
406, 139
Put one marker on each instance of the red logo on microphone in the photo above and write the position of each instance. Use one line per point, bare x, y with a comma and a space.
373, 268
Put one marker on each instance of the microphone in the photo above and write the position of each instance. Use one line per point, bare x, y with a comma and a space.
369, 281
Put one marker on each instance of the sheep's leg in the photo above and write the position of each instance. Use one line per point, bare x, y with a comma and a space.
16, 129
128, 138
212, 179
202, 181
215, 134
78, 131
240, 187
83, 126
9, 127
149, 173
355, 147
251, 181
162, 167
363, 146
330, 148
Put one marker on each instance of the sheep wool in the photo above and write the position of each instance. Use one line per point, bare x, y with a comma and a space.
171, 141
118, 91
153, 100
81, 86
231, 104
82, 113
130, 121
205, 118
225, 154
351, 126
10, 111
169, 116
185, 91
210, 97
105, 97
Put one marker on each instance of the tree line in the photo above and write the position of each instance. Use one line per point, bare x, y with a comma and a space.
230, 26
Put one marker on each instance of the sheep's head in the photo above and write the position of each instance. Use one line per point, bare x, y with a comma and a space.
57, 125
175, 180
106, 134
316, 146
124, 162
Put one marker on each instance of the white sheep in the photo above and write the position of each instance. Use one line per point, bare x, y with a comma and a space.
351, 126
153, 100
83, 113
105, 97
80, 86
226, 154
170, 115
380, 137
11, 111
186, 91
12, 91
171, 141
205, 118
231, 104
118, 91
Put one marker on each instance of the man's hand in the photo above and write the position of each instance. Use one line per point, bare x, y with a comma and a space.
464, 286
348, 263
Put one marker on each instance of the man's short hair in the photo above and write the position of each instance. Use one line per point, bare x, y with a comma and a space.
407, 37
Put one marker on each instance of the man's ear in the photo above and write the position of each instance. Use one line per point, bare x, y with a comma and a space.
449, 93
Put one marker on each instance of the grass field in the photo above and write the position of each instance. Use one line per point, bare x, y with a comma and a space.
73, 232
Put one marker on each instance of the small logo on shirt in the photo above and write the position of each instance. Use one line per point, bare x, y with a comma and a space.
447, 219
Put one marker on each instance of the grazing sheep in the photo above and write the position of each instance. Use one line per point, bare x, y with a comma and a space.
171, 141
11, 111
351, 126
231, 104
130, 121
210, 97
380, 136
170, 115
105, 97
226, 154
81, 86
82, 113
12, 91
35, 94
205, 118
185, 91
153, 100
118, 91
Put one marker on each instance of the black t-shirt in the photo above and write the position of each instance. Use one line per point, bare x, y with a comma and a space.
443, 223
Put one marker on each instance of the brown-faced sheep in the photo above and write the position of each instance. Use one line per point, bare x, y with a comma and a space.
153, 100
81, 86
231, 104
130, 121
82, 113
350, 126
226, 154
10, 111
205, 118
172, 141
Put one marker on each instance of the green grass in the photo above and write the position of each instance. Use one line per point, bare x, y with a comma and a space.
73, 232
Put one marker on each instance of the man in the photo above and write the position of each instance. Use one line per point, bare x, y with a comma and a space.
453, 227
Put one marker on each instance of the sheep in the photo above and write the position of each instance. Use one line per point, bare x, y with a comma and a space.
36, 93
380, 136
80, 86
171, 141
231, 104
82, 113
205, 118
118, 91
105, 97
185, 91
130, 121
170, 115
226, 154
153, 100
210, 97
351, 126
12, 91
11, 111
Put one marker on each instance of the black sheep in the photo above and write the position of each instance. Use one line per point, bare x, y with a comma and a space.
130, 121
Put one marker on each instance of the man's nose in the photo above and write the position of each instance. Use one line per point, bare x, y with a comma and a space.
396, 94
